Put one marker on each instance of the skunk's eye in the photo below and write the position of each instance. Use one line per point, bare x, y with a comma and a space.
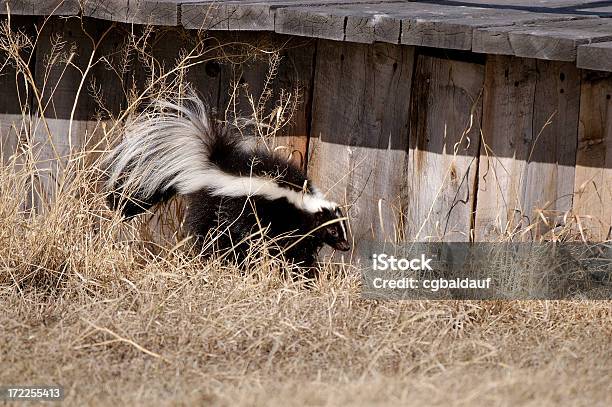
333, 232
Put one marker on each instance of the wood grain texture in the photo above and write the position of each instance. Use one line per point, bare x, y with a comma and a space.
595, 56
370, 25
442, 166
70, 117
40, 7
317, 23
167, 49
553, 40
361, 22
532, 5
507, 131
154, 12
292, 81
423, 24
593, 196
359, 134
458, 32
253, 16
527, 154
15, 103
110, 10
244, 15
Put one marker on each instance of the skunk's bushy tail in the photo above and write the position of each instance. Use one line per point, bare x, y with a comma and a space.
175, 147
164, 151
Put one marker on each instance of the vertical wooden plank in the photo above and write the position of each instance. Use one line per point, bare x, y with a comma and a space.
442, 166
166, 48
549, 183
292, 75
295, 75
11, 118
359, 134
57, 82
60, 81
506, 132
15, 102
526, 171
593, 199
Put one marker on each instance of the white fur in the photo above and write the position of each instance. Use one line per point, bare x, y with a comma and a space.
167, 147
223, 184
344, 235
162, 148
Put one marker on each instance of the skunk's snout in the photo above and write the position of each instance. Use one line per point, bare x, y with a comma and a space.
342, 246
335, 234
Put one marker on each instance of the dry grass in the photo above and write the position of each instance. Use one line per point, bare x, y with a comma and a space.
177, 332
97, 306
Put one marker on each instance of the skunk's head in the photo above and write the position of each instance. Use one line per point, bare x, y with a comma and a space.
332, 228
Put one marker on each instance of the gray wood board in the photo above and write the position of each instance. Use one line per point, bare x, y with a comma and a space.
364, 23
157, 12
15, 103
227, 16
257, 80
595, 56
40, 7
419, 24
327, 23
244, 15
601, 11
455, 30
556, 40
164, 12
593, 181
528, 149
442, 167
529, 5
359, 133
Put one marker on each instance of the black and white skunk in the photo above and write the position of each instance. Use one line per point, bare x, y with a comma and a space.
232, 186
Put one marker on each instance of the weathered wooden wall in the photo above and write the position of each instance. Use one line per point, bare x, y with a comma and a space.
418, 143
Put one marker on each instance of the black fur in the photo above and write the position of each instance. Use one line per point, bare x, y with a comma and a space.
135, 203
229, 157
232, 220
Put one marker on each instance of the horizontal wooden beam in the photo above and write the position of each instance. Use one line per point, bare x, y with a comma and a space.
156, 12
455, 30
40, 7
541, 29
595, 56
411, 23
248, 15
556, 41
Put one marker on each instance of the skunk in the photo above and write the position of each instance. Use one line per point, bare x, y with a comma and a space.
233, 187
